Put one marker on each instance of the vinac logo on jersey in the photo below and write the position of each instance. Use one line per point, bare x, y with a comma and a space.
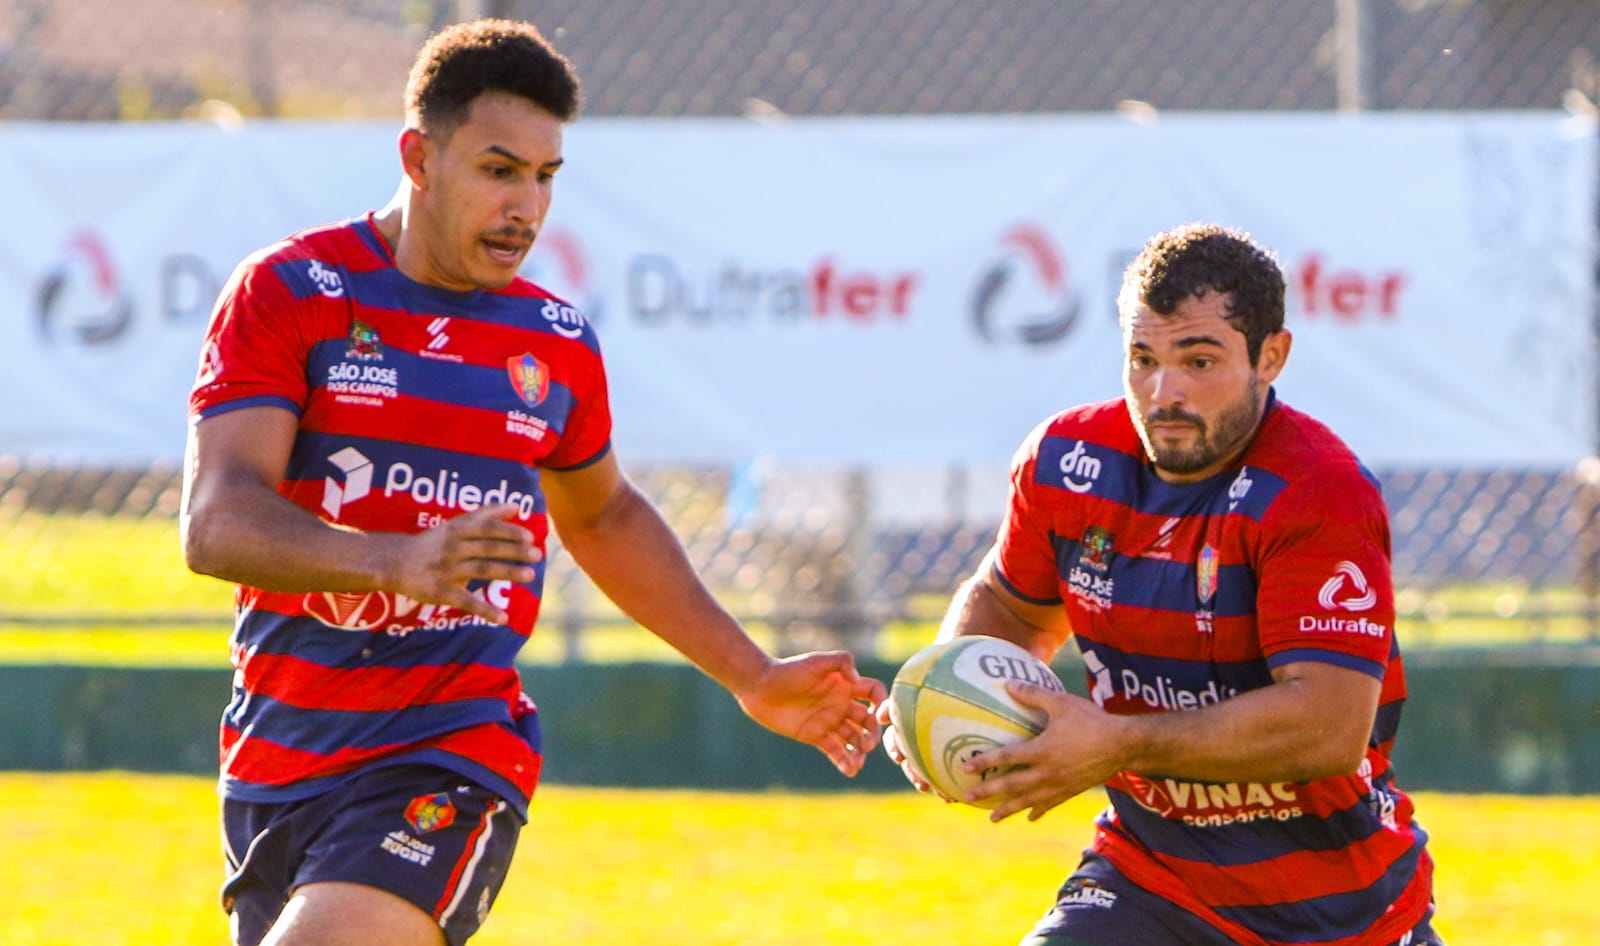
530, 378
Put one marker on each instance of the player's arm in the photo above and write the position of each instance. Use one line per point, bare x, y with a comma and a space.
1313, 721
235, 525
619, 539
984, 605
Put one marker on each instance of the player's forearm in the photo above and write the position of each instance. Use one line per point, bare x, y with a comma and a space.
636, 560
258, 538
977, 609
1274, 734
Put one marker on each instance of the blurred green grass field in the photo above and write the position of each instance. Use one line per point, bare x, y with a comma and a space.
116, 859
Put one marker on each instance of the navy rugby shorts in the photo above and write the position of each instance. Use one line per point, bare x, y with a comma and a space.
1099, 906
422, 833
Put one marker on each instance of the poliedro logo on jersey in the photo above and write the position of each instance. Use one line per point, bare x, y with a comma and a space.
354, 475
1164, 692
1079, 470
352, 481
446, 490
1103, 689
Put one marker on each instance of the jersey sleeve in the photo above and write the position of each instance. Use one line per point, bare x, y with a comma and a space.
1326, 592
587, 435
1025, 556
255, 348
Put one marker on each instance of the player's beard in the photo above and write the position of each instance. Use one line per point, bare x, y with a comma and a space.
1233, 427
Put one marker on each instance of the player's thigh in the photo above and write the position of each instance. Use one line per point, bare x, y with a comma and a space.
342, 914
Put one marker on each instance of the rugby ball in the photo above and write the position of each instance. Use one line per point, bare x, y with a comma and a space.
949, 703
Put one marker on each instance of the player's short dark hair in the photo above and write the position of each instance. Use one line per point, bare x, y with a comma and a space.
465, 60
1197, 258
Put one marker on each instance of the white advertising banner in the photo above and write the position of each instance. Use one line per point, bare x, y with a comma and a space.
898, 291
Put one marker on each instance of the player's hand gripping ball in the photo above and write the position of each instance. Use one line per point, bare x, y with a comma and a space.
949, 703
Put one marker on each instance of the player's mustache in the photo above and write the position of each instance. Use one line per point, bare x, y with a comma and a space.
1169, 416
512, 234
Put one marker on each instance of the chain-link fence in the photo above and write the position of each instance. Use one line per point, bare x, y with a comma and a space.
848, 555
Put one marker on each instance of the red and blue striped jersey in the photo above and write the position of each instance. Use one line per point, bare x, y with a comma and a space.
1184, 595
415, 404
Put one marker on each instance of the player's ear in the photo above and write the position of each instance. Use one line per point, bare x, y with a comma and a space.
1274, 354
416, 153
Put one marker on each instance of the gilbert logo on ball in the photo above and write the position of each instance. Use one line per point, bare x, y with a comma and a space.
949, 703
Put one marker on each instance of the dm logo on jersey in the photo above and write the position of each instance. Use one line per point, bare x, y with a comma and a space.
431, 812
1096, 552
529, 378
1205, 574
364, 342
326, 278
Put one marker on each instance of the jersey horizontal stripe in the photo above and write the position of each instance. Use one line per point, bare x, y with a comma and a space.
1162, 585
460, 384
1331, 916
265, 632
367, 688
328, 732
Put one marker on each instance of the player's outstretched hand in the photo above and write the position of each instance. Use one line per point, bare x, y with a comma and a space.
821, 700
1076, 752
435, 565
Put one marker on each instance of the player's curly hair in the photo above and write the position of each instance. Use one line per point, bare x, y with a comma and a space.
463, 61
1196, 258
